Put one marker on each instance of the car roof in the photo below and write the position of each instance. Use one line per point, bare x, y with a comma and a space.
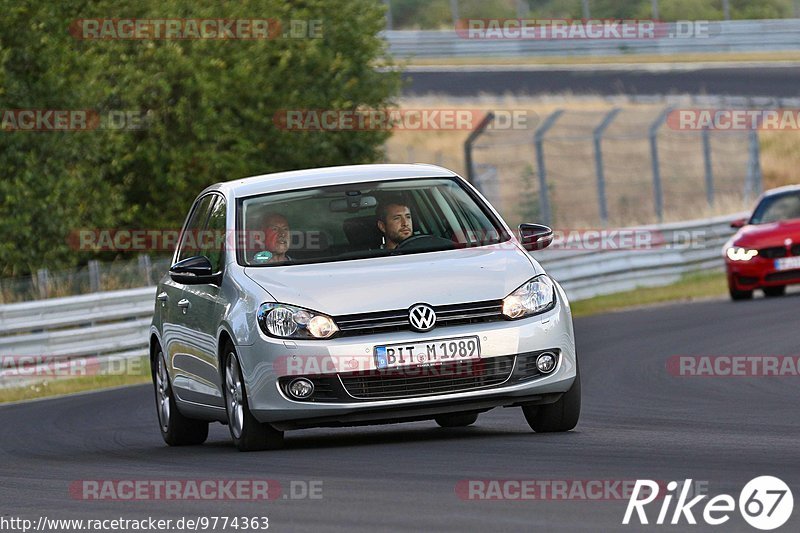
318, 177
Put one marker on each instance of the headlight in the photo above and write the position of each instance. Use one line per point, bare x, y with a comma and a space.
290, 322
535, 296
737, 253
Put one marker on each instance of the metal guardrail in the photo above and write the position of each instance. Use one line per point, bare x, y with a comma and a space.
726, 36
674, 250
113, 326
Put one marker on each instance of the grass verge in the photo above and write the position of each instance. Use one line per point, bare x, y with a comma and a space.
59, 386
691, 287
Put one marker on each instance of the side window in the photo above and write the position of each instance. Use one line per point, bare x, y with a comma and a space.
214, 243
189, 241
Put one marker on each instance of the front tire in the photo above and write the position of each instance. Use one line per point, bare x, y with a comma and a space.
738, 296
176, 429
560, 416
248, 434
773, 292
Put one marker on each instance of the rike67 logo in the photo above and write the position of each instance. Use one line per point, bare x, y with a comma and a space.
765, 503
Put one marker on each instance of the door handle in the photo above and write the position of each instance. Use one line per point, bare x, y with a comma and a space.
184, 304
163, 298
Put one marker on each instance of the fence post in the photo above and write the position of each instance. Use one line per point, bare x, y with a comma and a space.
753, 185
94, 276
454, 11
471, 141
538, 139
43, 282
586, 14
658, 197
598, 162
709, 169
388, 4
145, 267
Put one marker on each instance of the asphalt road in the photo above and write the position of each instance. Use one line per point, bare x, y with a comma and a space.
638, 421
780, 82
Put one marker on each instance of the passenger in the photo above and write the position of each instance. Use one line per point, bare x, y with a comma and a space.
394, 221
277, 239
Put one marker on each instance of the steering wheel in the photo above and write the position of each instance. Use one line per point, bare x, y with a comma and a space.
413, 238
424, 241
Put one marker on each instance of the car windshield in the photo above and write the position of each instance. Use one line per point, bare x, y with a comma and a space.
362, 220
778, 207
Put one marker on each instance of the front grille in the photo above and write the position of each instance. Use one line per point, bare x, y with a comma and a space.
786, 275
747, 280
371, 385
772, 253
796, 249
446, 315
452, 377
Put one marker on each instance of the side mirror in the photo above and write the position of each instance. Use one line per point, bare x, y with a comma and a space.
194, 271
738, 223
535, 236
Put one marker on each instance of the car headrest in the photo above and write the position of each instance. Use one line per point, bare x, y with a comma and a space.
363, 232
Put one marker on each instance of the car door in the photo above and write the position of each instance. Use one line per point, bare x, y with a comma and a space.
201, 308
178, 339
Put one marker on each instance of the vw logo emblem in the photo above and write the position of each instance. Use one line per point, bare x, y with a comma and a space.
422, 317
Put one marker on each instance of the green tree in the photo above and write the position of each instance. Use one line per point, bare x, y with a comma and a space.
210, 108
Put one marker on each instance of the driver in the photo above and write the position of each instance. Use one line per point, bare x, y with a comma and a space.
394, 221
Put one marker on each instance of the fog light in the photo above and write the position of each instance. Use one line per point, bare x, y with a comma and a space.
301, 388
546, 362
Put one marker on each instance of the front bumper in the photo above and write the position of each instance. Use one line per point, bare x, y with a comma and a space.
757, 273
269, 359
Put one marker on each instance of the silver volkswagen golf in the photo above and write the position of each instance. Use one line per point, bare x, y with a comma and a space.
356, 295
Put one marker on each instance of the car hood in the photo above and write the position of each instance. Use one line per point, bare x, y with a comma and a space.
768, 235
398, 282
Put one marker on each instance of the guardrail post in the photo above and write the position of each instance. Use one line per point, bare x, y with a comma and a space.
538, 139
598, 162
709, 169
471, 141
146, 267
94, 276
658, 197
43, 282
753, 185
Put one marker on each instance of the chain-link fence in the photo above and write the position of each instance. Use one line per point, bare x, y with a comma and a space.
94, 277
617, 167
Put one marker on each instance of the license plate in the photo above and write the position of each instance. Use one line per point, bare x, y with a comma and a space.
427, 353
787, 263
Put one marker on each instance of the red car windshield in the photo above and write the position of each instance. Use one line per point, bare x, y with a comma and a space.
784, 206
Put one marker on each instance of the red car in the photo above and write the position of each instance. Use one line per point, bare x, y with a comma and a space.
765, 252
